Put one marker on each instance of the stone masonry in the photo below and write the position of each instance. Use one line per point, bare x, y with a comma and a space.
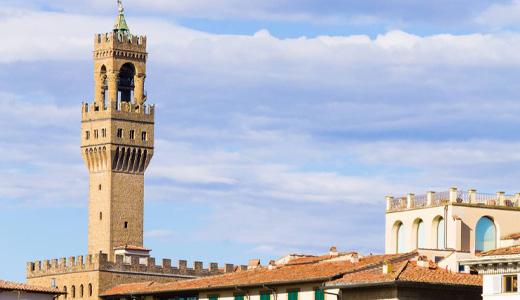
117, 145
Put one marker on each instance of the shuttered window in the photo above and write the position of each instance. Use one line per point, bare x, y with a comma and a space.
292, 295
213, 297
265, 296
239, 297
319, 294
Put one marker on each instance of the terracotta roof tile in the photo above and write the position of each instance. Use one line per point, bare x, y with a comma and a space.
313, 258
131, 247
502, 251
289, 273
512, 236
12, 286
409, 271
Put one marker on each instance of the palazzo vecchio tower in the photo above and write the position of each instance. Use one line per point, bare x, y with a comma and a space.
117, 144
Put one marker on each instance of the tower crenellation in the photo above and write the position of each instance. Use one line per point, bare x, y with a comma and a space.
132, 264
117, 146
119, 41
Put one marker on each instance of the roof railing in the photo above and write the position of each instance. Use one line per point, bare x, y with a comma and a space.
452, 196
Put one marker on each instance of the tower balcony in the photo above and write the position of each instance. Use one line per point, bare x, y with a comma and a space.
452, 197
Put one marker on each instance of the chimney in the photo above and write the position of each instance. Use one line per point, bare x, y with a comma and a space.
354, 258
387, 267
423, 262
253, 264
333, 252
272, 265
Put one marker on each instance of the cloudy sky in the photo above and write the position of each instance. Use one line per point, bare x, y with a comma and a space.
281, 124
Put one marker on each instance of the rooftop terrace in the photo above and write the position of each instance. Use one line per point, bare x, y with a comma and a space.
452, 196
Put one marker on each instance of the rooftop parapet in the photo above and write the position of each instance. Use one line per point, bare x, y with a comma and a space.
100, 262
119, 40
452, 196
113, 109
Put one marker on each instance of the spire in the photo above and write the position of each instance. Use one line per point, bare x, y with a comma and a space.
120, 25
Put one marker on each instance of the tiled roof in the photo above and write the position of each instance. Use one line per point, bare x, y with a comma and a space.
313, 258
410, 272
512, 236
12, 286
289, 273
502, 251
131, 247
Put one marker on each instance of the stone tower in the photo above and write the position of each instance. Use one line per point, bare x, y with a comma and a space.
117, 143
117, 140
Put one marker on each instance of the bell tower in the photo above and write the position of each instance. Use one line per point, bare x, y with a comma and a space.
117, 140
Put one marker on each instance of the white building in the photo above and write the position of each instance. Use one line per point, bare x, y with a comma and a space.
500, 269
450, 226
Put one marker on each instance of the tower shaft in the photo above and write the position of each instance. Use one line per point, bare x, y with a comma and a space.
117, 142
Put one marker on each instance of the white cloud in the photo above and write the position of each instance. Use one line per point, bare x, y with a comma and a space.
500, 15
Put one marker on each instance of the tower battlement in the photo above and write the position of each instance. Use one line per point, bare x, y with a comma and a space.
119, 40
124, 264
130, 111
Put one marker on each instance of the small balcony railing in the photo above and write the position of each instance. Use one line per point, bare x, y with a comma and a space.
453, 196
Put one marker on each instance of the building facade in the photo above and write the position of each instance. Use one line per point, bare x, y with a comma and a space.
406, 280
117, 145
326, 277
500, 269
450, 226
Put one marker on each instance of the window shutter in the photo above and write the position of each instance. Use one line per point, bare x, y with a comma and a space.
319, 294
293, 295
265, 296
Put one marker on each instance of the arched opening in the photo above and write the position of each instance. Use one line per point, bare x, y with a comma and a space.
399, 236
73, 291
440, 235
485, 235
420, 234
65, 291
104, 83
81, 291
90, 289
126, 82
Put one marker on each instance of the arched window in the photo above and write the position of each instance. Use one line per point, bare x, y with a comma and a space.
441, 234
126, 82
90, 289
486, 236
421, 235
65, 291
73, 291
81, 291
400, 238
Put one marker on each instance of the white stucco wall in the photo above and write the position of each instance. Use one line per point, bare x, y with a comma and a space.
24, 296
461, 223
492, 289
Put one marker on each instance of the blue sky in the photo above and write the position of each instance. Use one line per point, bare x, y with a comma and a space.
281, 125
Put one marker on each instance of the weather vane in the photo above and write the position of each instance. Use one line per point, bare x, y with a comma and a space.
120, 6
